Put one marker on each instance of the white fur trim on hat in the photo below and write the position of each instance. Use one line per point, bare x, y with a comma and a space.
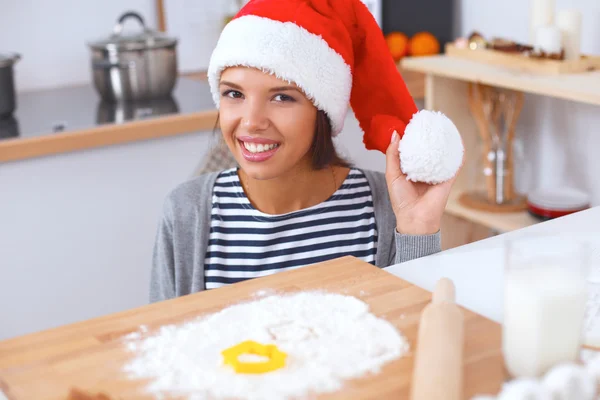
291, 53
431, 149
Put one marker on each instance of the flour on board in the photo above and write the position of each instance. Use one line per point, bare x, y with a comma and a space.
328, 338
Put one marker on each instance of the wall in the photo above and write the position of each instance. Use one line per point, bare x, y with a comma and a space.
558, 137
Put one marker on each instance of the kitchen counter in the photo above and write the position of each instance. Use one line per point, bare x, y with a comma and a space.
477, 268
74, 118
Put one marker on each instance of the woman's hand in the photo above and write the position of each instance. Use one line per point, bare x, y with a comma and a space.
418, 206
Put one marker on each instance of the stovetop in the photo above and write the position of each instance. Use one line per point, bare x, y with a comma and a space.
78, 108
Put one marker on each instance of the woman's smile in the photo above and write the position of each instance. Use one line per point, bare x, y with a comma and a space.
257, 149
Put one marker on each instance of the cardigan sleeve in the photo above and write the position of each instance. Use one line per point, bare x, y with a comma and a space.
162, 273
409, 247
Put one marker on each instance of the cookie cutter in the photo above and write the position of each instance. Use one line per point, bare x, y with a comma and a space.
275, 357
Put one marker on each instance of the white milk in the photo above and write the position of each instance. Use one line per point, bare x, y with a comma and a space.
543, 316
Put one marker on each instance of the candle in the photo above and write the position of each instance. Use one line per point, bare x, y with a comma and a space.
569, 23
548, 39
542, 14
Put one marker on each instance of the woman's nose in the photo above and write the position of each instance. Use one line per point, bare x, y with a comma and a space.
255, 117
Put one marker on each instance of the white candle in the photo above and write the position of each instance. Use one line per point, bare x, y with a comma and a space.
542, 14
548, 39
569, 22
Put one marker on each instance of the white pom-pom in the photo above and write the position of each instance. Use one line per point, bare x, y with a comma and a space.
431, 149
570, 381
524, 389
483, 397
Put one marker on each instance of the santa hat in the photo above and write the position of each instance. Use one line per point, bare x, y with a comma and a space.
336, 53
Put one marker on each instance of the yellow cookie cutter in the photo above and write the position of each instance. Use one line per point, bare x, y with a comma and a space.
276, 358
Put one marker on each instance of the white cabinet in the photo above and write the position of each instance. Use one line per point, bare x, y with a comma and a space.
77, 229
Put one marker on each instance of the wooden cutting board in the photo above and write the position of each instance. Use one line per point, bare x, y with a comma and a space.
89, 355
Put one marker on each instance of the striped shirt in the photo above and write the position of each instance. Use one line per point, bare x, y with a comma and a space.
245, 243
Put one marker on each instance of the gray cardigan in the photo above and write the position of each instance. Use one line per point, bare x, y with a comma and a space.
183, 231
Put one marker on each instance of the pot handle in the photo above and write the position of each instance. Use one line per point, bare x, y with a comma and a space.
129, 14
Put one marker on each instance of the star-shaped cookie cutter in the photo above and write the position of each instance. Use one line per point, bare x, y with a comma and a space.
275, 357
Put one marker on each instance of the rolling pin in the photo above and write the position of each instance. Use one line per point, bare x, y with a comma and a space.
438, 368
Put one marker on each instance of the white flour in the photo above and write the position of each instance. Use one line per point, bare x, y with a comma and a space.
328, 338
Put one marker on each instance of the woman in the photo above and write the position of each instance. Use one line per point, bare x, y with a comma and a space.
282, 75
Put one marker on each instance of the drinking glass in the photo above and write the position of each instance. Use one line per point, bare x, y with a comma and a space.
545, 294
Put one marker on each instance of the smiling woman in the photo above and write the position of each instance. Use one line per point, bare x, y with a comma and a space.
282, 89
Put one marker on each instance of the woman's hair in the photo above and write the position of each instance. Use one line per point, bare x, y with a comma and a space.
322, 148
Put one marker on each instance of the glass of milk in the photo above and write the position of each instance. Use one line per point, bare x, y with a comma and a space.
545, 294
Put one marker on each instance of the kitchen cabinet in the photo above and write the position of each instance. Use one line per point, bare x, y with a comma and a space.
78, 228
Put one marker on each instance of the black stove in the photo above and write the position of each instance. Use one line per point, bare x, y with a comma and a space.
78, 108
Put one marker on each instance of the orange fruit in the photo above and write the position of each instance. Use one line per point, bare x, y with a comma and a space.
423, 44
397, 42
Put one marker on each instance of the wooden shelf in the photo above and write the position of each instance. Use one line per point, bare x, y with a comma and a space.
582, 87
502, 222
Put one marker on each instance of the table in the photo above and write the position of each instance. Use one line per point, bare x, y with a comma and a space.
477, 268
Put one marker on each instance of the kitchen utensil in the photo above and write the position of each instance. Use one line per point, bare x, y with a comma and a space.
549, 203
92, 353
140, 66
438, 370
8, 102
496, 112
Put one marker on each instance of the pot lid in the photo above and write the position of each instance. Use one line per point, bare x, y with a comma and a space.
7, 59
144, 39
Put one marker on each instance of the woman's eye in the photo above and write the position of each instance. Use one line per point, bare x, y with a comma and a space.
234, 94
284, 98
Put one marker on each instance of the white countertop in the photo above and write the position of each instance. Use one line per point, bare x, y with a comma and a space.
477, 268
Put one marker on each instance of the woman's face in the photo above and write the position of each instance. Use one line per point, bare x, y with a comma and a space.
267, 123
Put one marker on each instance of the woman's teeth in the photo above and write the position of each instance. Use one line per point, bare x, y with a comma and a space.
259, 148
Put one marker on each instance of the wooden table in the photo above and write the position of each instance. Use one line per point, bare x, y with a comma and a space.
89, 354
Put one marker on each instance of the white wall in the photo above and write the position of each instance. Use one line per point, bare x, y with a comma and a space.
560, 138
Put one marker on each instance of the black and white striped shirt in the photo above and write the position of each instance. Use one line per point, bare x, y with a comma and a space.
245, 243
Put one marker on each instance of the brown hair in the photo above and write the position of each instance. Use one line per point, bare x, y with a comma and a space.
322, 148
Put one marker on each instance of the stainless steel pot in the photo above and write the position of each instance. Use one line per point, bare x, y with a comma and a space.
8, 102
140, 66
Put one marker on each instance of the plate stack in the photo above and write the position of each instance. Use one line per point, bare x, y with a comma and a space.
549, 203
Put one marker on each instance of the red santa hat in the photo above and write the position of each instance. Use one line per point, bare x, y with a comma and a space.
336, 53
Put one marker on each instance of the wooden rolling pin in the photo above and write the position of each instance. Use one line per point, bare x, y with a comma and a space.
438, 369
